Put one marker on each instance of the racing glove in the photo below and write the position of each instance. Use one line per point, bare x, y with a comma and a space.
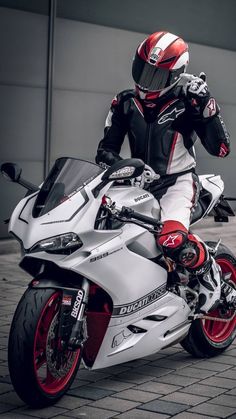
204, 108
196, 91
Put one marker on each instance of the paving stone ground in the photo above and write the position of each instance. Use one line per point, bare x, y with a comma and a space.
169, 384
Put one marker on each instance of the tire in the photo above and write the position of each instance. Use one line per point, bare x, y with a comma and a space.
41, 371
208, 338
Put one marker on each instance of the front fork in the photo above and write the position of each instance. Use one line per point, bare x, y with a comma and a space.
72, 323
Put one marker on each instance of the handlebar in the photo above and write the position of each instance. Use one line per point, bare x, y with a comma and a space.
130, 213
126, 214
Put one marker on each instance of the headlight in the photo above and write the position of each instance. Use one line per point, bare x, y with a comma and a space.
64, 243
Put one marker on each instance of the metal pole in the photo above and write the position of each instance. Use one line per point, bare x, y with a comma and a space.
49, 87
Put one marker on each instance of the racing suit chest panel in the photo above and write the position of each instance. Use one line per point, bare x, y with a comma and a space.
154, 141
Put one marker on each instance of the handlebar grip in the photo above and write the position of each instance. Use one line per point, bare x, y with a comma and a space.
144, 218
130, 213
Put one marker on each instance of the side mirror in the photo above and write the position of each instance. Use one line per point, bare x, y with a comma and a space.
124, 169
11, 171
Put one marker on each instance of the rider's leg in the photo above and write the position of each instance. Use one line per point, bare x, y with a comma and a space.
188, 251
176, 205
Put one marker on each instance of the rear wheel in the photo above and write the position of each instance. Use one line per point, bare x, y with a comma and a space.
41, 370
208, 338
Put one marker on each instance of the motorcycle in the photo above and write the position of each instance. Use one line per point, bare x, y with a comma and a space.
102, 291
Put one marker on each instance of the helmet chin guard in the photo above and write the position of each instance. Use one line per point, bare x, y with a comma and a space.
153, 95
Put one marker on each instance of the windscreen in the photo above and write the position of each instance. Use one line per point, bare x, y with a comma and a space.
66, 177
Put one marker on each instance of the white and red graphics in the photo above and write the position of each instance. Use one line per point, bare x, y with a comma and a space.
224, 150
210, 108
173, 240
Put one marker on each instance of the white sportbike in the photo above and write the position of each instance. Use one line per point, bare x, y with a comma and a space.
102, 292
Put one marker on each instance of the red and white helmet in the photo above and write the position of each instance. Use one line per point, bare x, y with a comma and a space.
158, 63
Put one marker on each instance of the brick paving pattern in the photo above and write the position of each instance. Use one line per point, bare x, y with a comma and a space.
169, 384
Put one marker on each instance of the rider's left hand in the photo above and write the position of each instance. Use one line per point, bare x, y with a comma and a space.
195, 87
147, 177
195, 90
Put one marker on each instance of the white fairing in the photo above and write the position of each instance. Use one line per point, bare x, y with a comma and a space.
117, 260
215, 186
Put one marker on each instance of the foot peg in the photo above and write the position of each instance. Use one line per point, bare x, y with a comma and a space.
195, 316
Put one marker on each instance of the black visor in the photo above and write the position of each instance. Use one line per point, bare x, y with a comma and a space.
149, 77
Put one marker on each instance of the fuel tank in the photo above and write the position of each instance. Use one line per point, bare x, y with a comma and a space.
136, 198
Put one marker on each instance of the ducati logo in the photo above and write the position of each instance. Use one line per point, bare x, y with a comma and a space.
170, 116
119, 338
170, 241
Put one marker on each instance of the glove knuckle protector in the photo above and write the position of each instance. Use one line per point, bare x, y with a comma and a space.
177, 247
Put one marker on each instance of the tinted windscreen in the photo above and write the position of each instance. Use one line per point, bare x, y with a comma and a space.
66, 177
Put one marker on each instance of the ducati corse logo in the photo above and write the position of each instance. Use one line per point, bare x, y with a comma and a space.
127, 309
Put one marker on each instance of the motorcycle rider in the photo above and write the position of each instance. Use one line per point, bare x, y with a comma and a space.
163, 116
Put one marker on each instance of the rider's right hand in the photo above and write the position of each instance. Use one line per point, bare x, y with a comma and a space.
138, 182
147, 177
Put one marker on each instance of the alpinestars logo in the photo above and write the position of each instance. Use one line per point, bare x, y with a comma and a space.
170, 116
170, 241
210, 109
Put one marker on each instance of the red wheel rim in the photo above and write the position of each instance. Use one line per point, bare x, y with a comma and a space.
217, 331
49, 381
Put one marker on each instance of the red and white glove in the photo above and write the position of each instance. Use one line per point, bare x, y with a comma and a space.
196, 91
194, 86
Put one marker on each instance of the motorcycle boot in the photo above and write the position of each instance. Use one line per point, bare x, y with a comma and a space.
209, 279
229, 294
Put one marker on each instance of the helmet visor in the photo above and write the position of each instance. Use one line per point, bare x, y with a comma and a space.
147, 76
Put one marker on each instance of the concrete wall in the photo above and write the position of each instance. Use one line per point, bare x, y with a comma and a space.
92, 63
23, 52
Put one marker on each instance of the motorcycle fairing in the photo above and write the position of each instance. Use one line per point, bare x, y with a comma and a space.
211, 189
156, 334
119, 262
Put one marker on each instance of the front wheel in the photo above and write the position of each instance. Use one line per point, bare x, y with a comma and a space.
41, 370
208, 338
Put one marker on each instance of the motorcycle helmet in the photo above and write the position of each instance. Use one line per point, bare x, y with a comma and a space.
158, 63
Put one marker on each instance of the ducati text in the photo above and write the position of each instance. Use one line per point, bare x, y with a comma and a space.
141, 197
127, 309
